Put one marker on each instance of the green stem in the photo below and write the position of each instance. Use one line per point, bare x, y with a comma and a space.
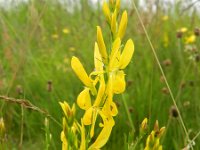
128, 113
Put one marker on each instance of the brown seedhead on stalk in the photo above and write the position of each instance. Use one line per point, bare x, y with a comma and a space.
197, 31
167, 62
197, 58
182, 84
131, 109
173, 112
179, 34
49, 86
165, 90
191, 83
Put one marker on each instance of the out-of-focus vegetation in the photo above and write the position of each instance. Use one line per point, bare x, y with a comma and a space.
37, 41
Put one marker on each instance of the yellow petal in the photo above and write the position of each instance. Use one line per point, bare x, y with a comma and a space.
101, 44
66, 109
80, 71
106, 11
127, 54
64, 141
87, 118
100, 93
117, 5
114, 22
94, 117
123, 25
114, 54
104, 134
119, 83
83, 143
84, 100
97, 59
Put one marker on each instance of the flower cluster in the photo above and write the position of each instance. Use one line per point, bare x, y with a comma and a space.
153, 140
107, 79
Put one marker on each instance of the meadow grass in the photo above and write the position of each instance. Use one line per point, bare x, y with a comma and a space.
35, 65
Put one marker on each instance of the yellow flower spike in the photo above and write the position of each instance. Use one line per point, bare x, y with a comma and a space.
123, 25
127, 54
102, 46
80, 71
114, 22
97, 59
83, 142
87, 118
119, 83
106, 11
84, 100
114, 110
104, 134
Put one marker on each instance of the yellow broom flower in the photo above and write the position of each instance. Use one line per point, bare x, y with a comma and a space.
122, 25
102, 46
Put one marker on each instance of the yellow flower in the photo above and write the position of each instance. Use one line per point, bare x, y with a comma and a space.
114, 22
183, 29
165, 18
83, 142
54, 36
104, 135
64, 141
127, 54
84, 100
2, 128
72, 49
143, 126
190, 39
69, 112
122, 25
66, 31
106, 11
117, 5
102, 46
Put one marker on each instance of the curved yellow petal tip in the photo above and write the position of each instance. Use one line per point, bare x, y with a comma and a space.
80, 71
123, 25
127, 54
101, 44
